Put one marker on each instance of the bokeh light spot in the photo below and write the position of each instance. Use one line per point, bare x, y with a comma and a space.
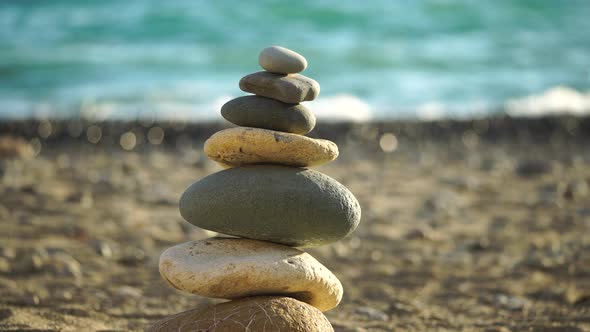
36, 145
388, 142
470, 139
94, 134
44, 130
155, 135
128, 141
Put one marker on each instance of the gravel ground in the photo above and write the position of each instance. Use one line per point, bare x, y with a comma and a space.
468, 226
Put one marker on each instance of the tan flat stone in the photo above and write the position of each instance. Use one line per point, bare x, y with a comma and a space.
260, 313
231, 268
244, 145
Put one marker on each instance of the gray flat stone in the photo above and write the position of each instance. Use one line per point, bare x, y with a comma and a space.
266, 113
281, 60
292, 89
292, 206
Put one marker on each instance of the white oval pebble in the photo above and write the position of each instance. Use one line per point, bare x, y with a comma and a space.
281, 60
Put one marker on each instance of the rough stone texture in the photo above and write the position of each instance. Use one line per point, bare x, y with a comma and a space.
260, 112
293, 206
292, 89
231, 268
262, 313
281, 60
244, 145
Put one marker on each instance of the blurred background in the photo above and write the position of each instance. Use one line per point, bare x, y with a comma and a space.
382, 59
463, 129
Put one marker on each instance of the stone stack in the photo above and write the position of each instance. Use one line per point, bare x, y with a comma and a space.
271, 203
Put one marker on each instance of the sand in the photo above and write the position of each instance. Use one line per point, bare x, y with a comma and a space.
467, 226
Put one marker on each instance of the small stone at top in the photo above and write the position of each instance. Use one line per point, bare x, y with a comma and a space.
281, 60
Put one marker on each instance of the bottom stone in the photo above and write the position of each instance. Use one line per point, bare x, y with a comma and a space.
260, 313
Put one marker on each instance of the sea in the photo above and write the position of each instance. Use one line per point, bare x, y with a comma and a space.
374, 59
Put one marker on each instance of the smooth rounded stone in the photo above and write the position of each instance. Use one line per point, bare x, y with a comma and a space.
291, 89
261, 313
281, 60
244, 145
260, 112
293, 206
231, 268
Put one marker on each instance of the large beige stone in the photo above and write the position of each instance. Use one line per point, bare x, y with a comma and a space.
244, 145
281, 60
231, 268
253, 314
291, 89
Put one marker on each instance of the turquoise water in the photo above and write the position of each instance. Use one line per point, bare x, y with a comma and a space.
385, 58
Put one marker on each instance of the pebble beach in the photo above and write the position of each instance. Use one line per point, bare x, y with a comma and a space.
311, 166
476, 225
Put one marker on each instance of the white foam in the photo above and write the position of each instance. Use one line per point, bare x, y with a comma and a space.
182, 106
157, 110
342, 107
431, 111
435, 110
555, 101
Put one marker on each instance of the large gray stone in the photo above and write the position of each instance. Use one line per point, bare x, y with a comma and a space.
292, 89
266, 113
281, 60
262, 313
292, 206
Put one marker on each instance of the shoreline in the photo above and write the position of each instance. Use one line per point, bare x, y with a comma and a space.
488, 129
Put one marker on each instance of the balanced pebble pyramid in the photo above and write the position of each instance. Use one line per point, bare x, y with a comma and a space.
271, 203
